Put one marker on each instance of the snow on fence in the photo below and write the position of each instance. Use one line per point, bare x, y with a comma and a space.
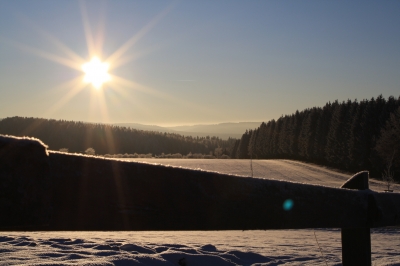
58, 191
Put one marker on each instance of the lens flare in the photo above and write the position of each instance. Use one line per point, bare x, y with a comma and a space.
288, 205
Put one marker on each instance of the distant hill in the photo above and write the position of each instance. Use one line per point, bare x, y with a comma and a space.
222, 130
145, 127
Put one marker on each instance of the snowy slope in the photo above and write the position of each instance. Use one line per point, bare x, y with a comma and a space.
272, 169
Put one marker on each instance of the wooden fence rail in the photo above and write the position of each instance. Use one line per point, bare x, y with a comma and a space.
56, 191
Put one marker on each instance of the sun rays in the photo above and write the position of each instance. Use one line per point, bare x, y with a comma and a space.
97, 72
92, 72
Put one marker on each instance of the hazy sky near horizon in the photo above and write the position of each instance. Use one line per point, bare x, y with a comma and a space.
193, 62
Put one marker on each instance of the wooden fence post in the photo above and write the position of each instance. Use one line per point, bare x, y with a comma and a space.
356, 242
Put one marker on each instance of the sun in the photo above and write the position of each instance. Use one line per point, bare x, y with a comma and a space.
96, 72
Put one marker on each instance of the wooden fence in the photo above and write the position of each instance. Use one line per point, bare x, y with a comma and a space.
57, 191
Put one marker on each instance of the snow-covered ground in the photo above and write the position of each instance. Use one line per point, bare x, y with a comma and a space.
275, 247
283, 247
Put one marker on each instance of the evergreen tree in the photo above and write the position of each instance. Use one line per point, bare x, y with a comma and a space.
296, 122
321, 132
243, 151
260, 141
234, 151
307, 134
388, 144
339, 134
283, 140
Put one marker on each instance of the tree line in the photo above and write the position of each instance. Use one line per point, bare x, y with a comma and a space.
348, 135
109, 139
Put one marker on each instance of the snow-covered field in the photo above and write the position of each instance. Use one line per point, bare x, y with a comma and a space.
272, 169
275, 247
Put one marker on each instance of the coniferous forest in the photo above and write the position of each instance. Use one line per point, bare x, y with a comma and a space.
350, 135
109, 139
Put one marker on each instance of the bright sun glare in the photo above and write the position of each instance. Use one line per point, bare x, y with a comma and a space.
96, 72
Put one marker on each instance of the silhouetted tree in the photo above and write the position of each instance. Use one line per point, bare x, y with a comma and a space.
388, 146
242, 151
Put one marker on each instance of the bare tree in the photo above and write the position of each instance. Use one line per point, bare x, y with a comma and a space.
388, 173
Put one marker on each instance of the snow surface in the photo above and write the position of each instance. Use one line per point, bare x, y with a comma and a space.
271, 169
273, 247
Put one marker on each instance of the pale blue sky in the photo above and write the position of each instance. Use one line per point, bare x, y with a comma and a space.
197, 61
